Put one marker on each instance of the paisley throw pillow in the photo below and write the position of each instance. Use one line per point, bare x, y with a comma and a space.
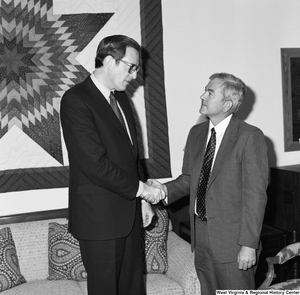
155, 242
10, 274
65, 261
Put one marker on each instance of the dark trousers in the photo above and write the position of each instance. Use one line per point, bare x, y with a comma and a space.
114, 267
214, 275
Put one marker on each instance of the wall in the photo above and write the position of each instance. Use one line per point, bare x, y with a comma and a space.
202, 37
240, 37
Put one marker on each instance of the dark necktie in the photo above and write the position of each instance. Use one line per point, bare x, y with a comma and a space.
114, 105
204, 176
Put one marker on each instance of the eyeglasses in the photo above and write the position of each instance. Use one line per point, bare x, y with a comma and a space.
132, 67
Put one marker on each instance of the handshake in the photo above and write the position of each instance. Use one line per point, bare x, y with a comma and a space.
153, 191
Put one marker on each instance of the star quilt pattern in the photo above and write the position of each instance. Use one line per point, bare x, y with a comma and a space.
44, 50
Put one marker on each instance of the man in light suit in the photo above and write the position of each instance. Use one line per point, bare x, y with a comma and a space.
105, 173
226, 237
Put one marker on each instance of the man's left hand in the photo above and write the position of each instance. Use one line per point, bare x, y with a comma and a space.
246, 258
147, 213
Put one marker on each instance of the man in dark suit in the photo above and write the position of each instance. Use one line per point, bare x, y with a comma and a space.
226, 222
105, 174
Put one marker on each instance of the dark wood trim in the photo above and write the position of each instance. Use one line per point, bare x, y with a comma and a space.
33, 216
290, 88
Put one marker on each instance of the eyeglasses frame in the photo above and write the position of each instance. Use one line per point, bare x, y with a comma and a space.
132, 67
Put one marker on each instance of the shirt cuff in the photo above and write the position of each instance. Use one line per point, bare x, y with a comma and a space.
165, 200
141, 189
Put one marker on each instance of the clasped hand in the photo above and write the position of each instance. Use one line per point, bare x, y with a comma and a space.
153, 191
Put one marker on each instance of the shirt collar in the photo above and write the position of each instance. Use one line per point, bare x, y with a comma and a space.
105, 91
221, 127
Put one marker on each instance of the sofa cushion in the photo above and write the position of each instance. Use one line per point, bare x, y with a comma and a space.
155, 242
159, 284
65, 261
83, 287
44, 287
10, 274
155, 284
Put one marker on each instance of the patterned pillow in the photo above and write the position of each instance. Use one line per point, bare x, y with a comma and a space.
10, 274
155, 242
65, 261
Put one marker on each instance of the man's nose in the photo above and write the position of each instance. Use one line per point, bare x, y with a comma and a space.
134, 75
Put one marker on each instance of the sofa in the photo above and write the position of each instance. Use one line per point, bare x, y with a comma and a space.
24, 239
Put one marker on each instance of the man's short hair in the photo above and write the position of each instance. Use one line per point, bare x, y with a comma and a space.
114, 46
234, 89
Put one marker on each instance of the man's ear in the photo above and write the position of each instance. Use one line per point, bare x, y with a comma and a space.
227, 106
109, 62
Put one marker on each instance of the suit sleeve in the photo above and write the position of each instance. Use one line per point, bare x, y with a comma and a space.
180, 186
254, 184
86, 147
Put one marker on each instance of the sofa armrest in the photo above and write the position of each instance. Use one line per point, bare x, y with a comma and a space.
181, 267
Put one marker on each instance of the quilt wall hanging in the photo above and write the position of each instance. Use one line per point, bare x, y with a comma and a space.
46, 47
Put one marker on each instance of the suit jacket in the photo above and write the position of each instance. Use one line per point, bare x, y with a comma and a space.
236, 193
104, 164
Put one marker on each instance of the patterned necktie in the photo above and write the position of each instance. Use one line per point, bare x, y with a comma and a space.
204, 176
114, 105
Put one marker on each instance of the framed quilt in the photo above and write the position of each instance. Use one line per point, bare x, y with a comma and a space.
45, 48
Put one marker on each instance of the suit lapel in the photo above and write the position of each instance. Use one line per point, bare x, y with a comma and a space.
200, 145
105, 110
228, 140
126, 108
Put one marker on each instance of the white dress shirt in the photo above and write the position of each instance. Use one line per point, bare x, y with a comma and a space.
220, 130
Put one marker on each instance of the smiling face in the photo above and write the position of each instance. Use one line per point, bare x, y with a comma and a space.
119, 75
213, 104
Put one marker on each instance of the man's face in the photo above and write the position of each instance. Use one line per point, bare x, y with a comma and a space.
212, 100
120, 76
